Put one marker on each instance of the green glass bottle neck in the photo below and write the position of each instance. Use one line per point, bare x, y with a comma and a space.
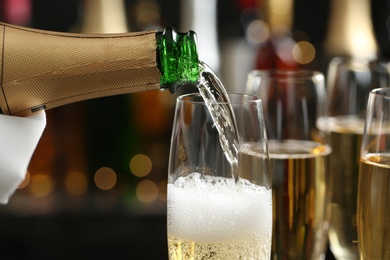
177, 58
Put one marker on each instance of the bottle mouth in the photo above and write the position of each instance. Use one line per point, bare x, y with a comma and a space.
177, 58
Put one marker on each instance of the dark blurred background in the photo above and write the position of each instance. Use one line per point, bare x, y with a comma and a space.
96, 185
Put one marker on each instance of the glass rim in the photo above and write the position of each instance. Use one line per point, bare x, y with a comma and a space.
288, 75
384, 92
341, 61
190, 98
274, 73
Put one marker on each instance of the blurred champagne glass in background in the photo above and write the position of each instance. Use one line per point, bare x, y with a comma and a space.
294, 100
349, 83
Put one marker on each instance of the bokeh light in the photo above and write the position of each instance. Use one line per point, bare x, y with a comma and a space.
140, 165
76, 183
257, 32
41, 185
105, 178
303, 52
147, 191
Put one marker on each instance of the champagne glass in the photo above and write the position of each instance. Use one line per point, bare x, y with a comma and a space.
293, 101
349, 83
373, 208
211, 214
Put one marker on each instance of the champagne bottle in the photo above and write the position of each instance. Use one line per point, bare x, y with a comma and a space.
350, 31
45, 69
277, 51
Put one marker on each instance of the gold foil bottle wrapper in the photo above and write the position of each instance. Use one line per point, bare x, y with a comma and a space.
44, 69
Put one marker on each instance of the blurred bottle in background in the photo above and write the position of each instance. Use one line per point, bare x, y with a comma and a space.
350, 31
283, 47
237, 52
272, 38
276, 51
201, 17
350, 37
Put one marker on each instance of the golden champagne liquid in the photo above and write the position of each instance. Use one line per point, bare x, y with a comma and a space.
374, 207
345, 140
209, 218
300, 199
247, 248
